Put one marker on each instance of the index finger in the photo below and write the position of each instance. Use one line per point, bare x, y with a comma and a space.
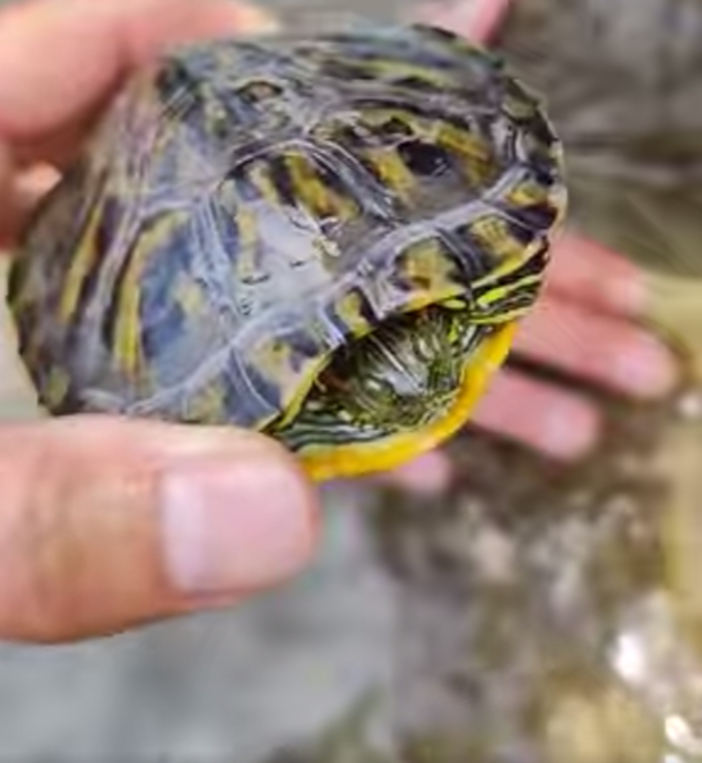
60, 60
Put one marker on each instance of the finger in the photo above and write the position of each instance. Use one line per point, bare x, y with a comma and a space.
543, 417
477, 20
57, 95
597, 348
105, 524
428, 475
587, 272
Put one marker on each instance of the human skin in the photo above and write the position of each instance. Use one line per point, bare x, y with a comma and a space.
107, 523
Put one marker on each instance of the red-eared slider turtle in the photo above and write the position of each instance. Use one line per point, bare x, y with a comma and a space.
327, 239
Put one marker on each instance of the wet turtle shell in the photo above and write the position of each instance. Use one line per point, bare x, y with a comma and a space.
328, 239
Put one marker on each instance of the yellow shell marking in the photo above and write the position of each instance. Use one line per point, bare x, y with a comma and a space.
82, 265
528, 192
320, 199
395, 70
303, 386
474, 152
245, 263
260, 177
273, 359
393, 171
431, 273
493, 234
349, 309
499, 292
127, 347
57, 385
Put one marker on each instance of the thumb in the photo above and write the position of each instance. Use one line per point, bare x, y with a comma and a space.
108, 523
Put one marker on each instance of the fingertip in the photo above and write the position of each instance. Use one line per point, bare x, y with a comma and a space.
428, 474
478, 20
570, 429
589, 272
234, 525
543, 417
643, 366
251, 19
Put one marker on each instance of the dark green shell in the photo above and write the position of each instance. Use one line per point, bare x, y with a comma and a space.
249, 206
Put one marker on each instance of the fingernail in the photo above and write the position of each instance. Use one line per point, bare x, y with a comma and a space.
256, 21
628, 294
37, 180
428, 474
646, 368
234, 526
570, 430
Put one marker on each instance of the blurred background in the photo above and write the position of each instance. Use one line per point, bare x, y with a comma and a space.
535, 613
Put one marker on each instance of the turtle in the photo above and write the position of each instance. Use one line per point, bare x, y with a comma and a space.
327, 238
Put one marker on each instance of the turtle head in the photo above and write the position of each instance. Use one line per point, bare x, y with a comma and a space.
392, 394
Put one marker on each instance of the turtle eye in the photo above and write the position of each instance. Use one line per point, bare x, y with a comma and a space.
424, 159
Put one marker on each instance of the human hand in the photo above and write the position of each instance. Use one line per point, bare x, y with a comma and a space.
106, 523
583, 325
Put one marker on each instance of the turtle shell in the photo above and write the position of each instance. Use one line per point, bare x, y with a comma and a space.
247, 207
